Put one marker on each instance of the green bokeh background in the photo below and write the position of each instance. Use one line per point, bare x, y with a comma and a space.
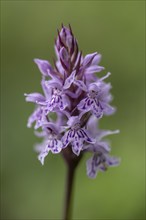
116, 29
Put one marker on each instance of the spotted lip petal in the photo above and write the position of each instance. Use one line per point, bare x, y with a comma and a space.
84, 134
58, 102
77, 146
85, 104
90, 104
76, 135
54, 145
66, 139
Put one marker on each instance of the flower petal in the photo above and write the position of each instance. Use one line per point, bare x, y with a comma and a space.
44, 66
73, 120
88, 59
86, 136
66, 139
97, 111
77, 146
92, 166
66, 101
80, 84
34, 116
56, 146
69, 80
96, 59
85, 104
108, 109
34, 97
103, 133
112, 161
46, 89
94, 69
102, 147
44, 152
64, 58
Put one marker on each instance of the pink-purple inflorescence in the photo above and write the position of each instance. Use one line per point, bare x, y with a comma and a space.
79, 99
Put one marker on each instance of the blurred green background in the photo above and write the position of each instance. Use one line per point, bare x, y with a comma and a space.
116, 29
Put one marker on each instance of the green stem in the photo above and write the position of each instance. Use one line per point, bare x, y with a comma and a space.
69, 192
71, 161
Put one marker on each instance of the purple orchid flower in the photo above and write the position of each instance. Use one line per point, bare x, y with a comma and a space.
78, 99
76, 135
101, 162
101, 159
51, 141
97, 99
72, 90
